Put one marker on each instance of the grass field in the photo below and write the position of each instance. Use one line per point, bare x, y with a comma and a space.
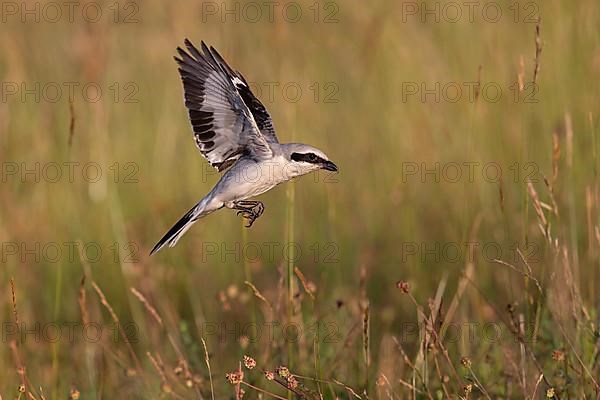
455, 255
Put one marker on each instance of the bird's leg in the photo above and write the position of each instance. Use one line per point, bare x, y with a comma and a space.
249, 209
256, 207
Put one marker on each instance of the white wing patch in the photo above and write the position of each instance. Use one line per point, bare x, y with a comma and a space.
224, 127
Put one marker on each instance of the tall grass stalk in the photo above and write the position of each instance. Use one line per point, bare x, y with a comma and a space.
290, 224
55, 346
290, 237
248, 274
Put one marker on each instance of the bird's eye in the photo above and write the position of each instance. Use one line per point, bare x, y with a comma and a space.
312, 157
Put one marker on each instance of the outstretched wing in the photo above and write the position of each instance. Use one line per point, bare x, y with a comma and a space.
224, 126
258, 110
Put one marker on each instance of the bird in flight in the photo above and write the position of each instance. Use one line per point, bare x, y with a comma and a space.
235, 133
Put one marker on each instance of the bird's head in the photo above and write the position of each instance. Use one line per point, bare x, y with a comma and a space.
304, 159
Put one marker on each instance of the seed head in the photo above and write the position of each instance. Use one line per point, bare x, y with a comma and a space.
269, 375
232, 291
292, 382
466, 362
558, 355
282, 371
249, 362
235, 377
403, 286
166, 388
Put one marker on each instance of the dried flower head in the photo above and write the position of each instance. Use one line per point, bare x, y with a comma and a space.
282, 371
235, 377
166, 388
466, 362
292, 382
181, 367
222, 296
269, 375
21, 388
249, 362
550, 393
232, 291
74, 394
468, 388
403, 286
558, 355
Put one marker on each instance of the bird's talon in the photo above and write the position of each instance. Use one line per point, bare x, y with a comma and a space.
250, 211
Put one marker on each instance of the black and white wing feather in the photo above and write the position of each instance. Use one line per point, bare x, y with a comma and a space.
225, 128
258, 110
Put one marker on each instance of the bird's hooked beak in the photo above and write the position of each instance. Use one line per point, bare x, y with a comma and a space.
329, 166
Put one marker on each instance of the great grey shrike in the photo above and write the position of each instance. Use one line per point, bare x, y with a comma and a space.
235, 133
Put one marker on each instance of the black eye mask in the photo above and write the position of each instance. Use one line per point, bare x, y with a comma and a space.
307, 157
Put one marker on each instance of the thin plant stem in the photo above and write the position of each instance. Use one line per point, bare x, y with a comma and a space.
290, 262
248, 275
291, 195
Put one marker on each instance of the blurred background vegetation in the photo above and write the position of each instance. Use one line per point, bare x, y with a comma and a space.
375, 86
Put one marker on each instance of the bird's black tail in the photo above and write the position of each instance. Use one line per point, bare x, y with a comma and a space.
173, 235
203, 208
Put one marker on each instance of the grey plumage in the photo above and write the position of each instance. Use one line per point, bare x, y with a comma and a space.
235, 133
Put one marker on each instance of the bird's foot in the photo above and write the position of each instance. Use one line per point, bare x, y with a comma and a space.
250, 210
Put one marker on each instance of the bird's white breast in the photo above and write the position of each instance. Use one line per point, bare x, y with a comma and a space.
248, 178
